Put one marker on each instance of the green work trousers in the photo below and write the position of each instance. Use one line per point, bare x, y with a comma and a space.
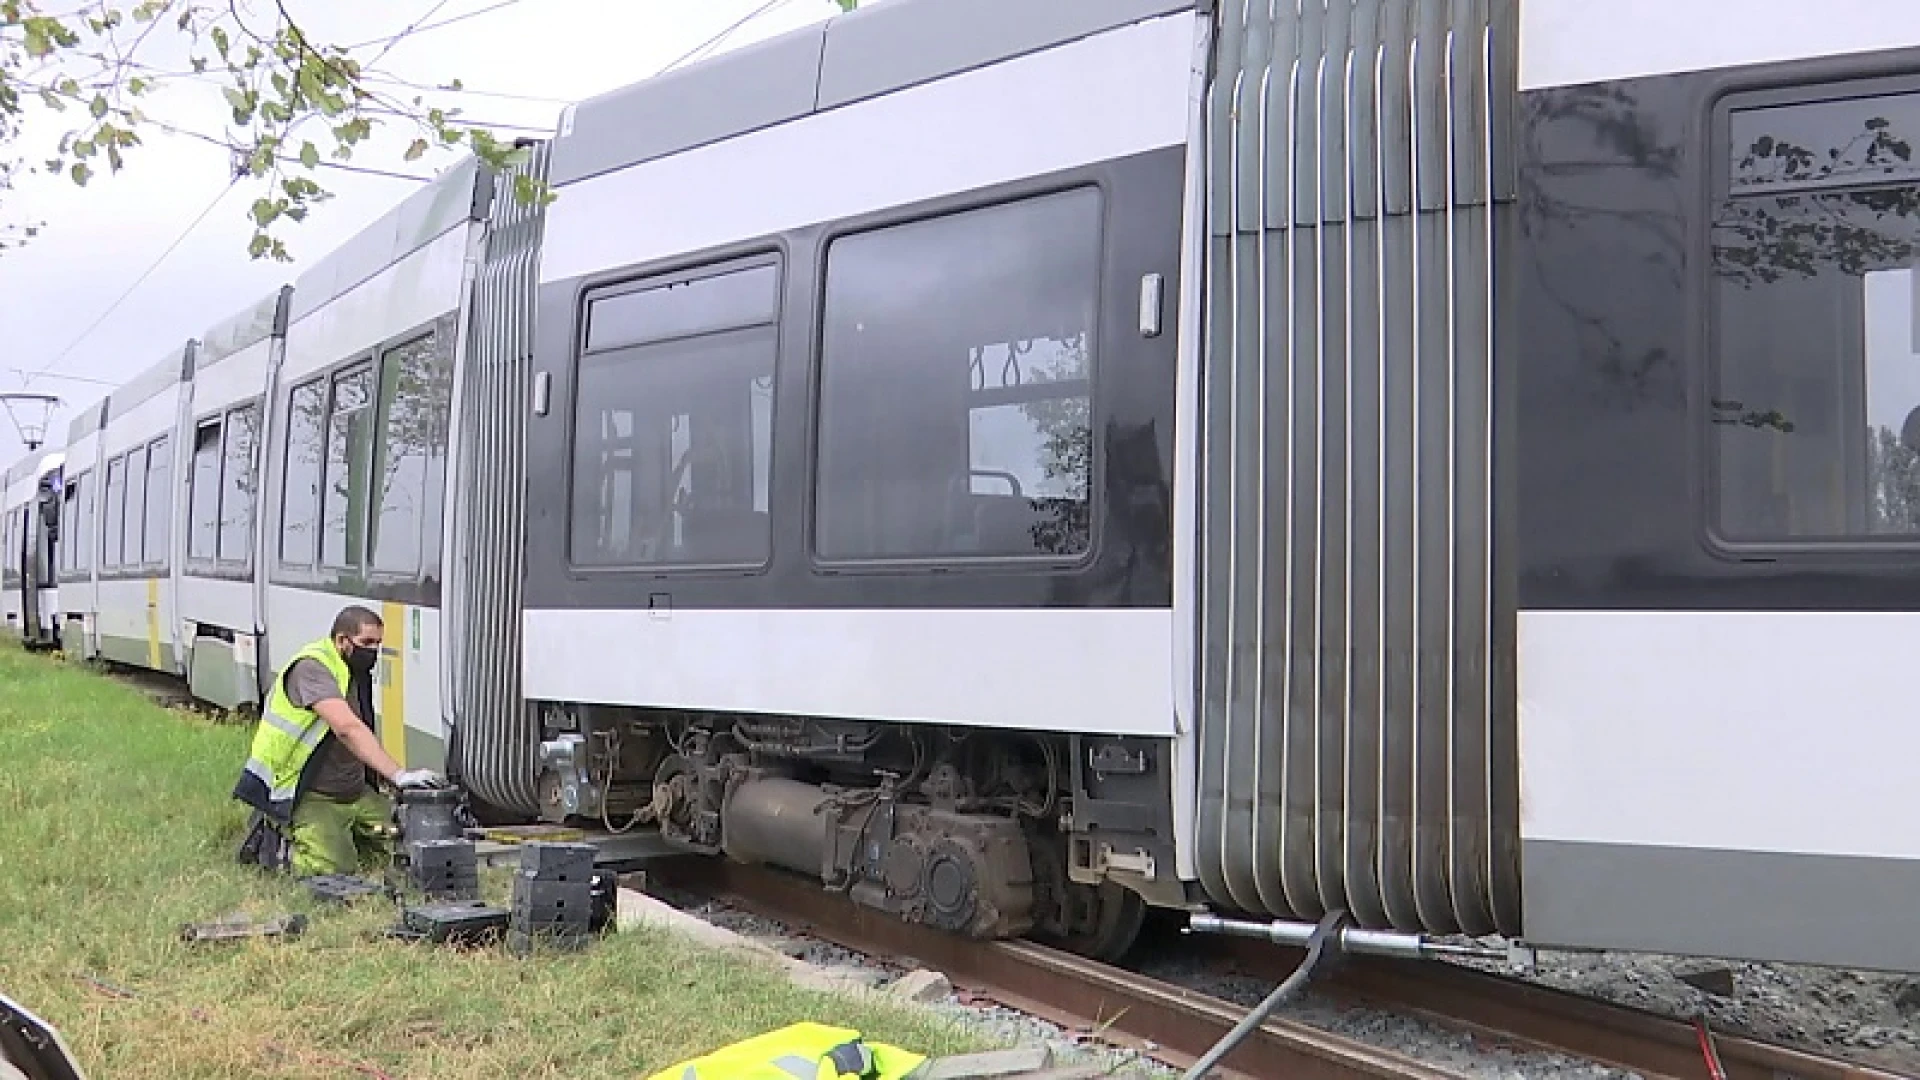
338, 836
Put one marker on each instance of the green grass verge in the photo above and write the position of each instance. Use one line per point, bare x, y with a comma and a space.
116, 828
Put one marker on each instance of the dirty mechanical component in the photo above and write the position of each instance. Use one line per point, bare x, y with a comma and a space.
686, 800
965, 873
1099, 922
565, 783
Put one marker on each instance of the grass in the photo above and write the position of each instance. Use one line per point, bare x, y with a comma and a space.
116, 828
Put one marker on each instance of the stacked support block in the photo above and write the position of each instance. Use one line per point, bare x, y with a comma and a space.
444, 870
552, 897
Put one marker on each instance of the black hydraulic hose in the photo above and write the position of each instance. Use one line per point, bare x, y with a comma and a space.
1317, 949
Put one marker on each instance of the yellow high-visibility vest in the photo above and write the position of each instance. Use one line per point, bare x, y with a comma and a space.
798, 1052
286, 738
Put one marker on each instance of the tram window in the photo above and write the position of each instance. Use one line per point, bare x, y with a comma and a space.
956, 385
159, 522
415, 395
673, 432
69, 524
203, 498
343, 503
134, 517
1815, 399
112, 543
46, 555
300, 504
237, 486
78, 535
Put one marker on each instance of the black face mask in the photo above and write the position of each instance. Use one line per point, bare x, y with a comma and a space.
360, 659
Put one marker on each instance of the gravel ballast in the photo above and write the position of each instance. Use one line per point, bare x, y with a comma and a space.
1162, 958
1870, 1018
990, 1019
1866, 1017
1455, 1051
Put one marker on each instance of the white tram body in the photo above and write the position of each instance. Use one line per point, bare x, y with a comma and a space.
29, 532
1452, 461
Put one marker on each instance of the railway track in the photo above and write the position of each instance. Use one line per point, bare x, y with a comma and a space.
1175, 1025
1512, 1010
1168, 1023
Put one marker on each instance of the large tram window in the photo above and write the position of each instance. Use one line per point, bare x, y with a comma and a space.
159, 524
1816, 394
956, 395
237, 485
111, 545
134, 518
203, 496
300, 499
415, 393
674, 424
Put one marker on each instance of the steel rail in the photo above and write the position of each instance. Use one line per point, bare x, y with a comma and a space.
1546, 1018
1168, 1023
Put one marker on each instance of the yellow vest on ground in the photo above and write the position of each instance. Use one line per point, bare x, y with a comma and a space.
285, 739
799, 1052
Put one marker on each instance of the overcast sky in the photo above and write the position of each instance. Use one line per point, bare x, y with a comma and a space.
520, 64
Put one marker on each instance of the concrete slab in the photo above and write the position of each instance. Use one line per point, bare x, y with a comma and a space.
990, 1065
637, 909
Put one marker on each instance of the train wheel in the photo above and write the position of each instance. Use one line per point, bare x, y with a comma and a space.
1109, 919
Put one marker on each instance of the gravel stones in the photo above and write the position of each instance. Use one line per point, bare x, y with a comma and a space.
923, 986
1866, 1017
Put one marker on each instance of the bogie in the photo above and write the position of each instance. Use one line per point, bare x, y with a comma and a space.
960, 830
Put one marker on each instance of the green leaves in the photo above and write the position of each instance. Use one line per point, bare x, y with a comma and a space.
243, 103
527, 190
295, 107
44, 35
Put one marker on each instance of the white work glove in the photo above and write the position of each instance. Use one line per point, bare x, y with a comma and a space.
407, 779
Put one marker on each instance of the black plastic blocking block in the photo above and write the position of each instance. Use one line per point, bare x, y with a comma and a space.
530, 915
434, 879
429, 870
557, 862
447, 888
341, 888
456, 922
443, 853
544, 893
533, 916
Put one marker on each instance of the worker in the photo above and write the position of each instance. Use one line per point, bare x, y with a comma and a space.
306, 776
